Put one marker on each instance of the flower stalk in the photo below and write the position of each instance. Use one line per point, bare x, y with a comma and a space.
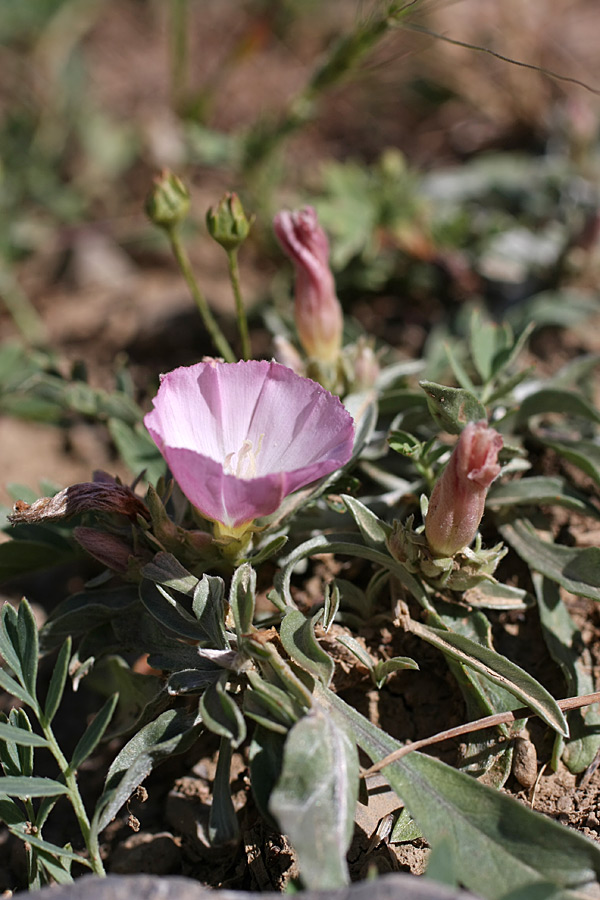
210, 323
240, 311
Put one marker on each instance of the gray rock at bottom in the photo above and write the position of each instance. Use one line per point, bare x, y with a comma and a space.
148, 887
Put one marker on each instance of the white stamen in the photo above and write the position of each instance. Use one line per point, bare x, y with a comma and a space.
245, 464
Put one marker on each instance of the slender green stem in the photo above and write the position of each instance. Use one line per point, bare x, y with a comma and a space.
90, 839
210, 323
240, 311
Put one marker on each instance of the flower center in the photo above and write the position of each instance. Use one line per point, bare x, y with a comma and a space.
242, 463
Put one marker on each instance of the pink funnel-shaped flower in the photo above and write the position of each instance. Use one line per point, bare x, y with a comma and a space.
239, 437
458, 497
317, 310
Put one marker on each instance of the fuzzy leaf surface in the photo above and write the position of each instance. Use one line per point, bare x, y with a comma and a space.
499, 845
315, 799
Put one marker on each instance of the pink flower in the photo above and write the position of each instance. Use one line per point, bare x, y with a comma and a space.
239, 437
458, 497
318, 314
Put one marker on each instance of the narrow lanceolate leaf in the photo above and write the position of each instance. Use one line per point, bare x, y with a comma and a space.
223, 826
242, 598
10, 812
221, 714
24, 786
373, 529
537, 490
556, 400
166, 609
583, 454
57, 681
498, 669
21, 737
9, 685
341, 544
315, 799
563, 638
298, 638
578, 571
165, 569
94, 733
28, 645
8, 638
174, 731
499, 845
208, 605
41, 844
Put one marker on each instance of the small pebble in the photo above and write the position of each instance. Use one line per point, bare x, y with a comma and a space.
524, 766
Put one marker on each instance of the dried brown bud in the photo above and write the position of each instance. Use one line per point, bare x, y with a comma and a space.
79, 498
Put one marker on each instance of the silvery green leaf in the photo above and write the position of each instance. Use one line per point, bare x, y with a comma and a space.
94, 733
54, 849
28, 786
497, 669
221, 714
193, 681
165, 569
10, 812
373, 529
582, 453
331, 605
315, 798
298, 638
405, 829
21, 736
497, 843
577, 570
271, 548
556, 400
208, 605
174, 731
85, 610
242, 598
265, 756
57, 681
538, 490
357, 649
223, 827
385, 667
363, 409
563, 638
28, 644
270, 703
166, 609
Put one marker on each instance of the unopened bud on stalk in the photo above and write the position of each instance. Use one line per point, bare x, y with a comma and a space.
227, 223
365, 365
318, 314
168, 203
458, 497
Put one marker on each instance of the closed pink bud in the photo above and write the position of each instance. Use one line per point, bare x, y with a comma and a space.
318, 314
458, 497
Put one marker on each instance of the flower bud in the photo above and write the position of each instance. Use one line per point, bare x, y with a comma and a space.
364, 364
108, 549
168, 203
227, 223
318, 314
458, 497
287, 355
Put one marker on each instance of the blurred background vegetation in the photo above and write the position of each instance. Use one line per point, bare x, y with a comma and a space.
445, 175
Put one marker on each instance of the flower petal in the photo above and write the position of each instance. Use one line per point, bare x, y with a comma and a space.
293, 429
